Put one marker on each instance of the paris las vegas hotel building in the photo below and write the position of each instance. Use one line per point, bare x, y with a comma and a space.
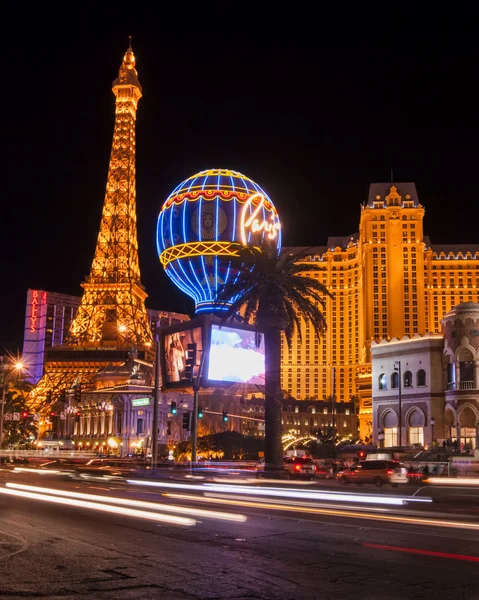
389, 281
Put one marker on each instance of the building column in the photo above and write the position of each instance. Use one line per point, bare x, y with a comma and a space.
476, 374
458, 374
458, 433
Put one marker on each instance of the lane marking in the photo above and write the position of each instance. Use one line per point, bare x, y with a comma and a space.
424, 552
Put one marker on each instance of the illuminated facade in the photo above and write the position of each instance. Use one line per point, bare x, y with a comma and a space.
203, 224
48, 317
426, 388
388, 281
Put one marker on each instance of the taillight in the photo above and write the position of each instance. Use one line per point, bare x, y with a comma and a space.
390, 471
297, 467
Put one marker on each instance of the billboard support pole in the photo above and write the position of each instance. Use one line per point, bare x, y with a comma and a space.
156, 400
194, 420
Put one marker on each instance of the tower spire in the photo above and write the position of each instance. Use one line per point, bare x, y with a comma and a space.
112, 310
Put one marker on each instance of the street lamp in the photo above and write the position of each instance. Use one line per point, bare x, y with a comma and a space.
381, 438
16, 366
397, 368
433, 422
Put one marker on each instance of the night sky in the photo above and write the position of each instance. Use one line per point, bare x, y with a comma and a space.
313, 126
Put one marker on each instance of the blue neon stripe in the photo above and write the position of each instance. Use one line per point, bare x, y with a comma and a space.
206, 276
184, 221
200, 287
232, 183
192, 182
191, 291
193, 287
216, 221
170, 270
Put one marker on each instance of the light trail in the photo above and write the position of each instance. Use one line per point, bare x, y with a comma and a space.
454, 481
210, 514
39, 471
294, 493
424, 552
128, 512
331, 512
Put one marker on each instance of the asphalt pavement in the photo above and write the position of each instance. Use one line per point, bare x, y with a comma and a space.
234, 544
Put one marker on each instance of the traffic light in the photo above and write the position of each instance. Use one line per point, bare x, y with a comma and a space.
186, 420
77, 394
53, 414
77, 417
49, 396
25, 414
200, 412
63, 396
190, 360
173, 408
362, 454
225, 415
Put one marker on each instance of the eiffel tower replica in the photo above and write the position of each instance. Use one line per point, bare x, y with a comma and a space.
111, 322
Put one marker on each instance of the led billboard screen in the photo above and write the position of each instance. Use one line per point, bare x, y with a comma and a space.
234, 356
175, 346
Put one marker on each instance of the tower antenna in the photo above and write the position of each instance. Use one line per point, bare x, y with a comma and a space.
129, 37
392, 176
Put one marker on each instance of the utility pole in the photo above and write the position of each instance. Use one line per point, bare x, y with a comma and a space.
194, 420
333, 401
156, 400
397, 368
2, 408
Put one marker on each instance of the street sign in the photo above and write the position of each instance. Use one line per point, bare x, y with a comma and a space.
8, 417
140, 402
63, 416
16, 416
36, 417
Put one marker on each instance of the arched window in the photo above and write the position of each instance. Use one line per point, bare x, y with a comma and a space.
421, 377
407, 379
383, 382
394, 380
289, 408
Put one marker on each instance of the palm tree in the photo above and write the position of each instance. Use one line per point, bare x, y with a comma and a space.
274, 292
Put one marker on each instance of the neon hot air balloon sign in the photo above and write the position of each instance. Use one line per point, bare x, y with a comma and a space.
202, 226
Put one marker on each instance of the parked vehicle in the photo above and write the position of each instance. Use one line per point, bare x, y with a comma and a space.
296, 467
378, 472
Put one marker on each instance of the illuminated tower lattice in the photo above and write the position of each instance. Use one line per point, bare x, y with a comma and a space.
112, 310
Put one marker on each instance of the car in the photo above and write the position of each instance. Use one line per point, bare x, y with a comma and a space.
295, 467
300, 467
378, 472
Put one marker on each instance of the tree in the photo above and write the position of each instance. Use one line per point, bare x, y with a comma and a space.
274, 292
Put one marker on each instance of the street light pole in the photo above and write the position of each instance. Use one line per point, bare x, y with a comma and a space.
156, 400
2, 408
398, 369
433, 422
333, 401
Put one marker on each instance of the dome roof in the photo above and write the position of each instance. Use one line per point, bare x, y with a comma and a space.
213, 180
465, 308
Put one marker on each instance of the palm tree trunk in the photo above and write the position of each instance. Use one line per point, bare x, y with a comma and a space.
273, 450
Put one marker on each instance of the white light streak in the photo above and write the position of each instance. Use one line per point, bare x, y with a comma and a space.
128, 512
210, 514
472, 481
295, 493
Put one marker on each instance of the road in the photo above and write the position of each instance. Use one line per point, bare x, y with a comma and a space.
277, 548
